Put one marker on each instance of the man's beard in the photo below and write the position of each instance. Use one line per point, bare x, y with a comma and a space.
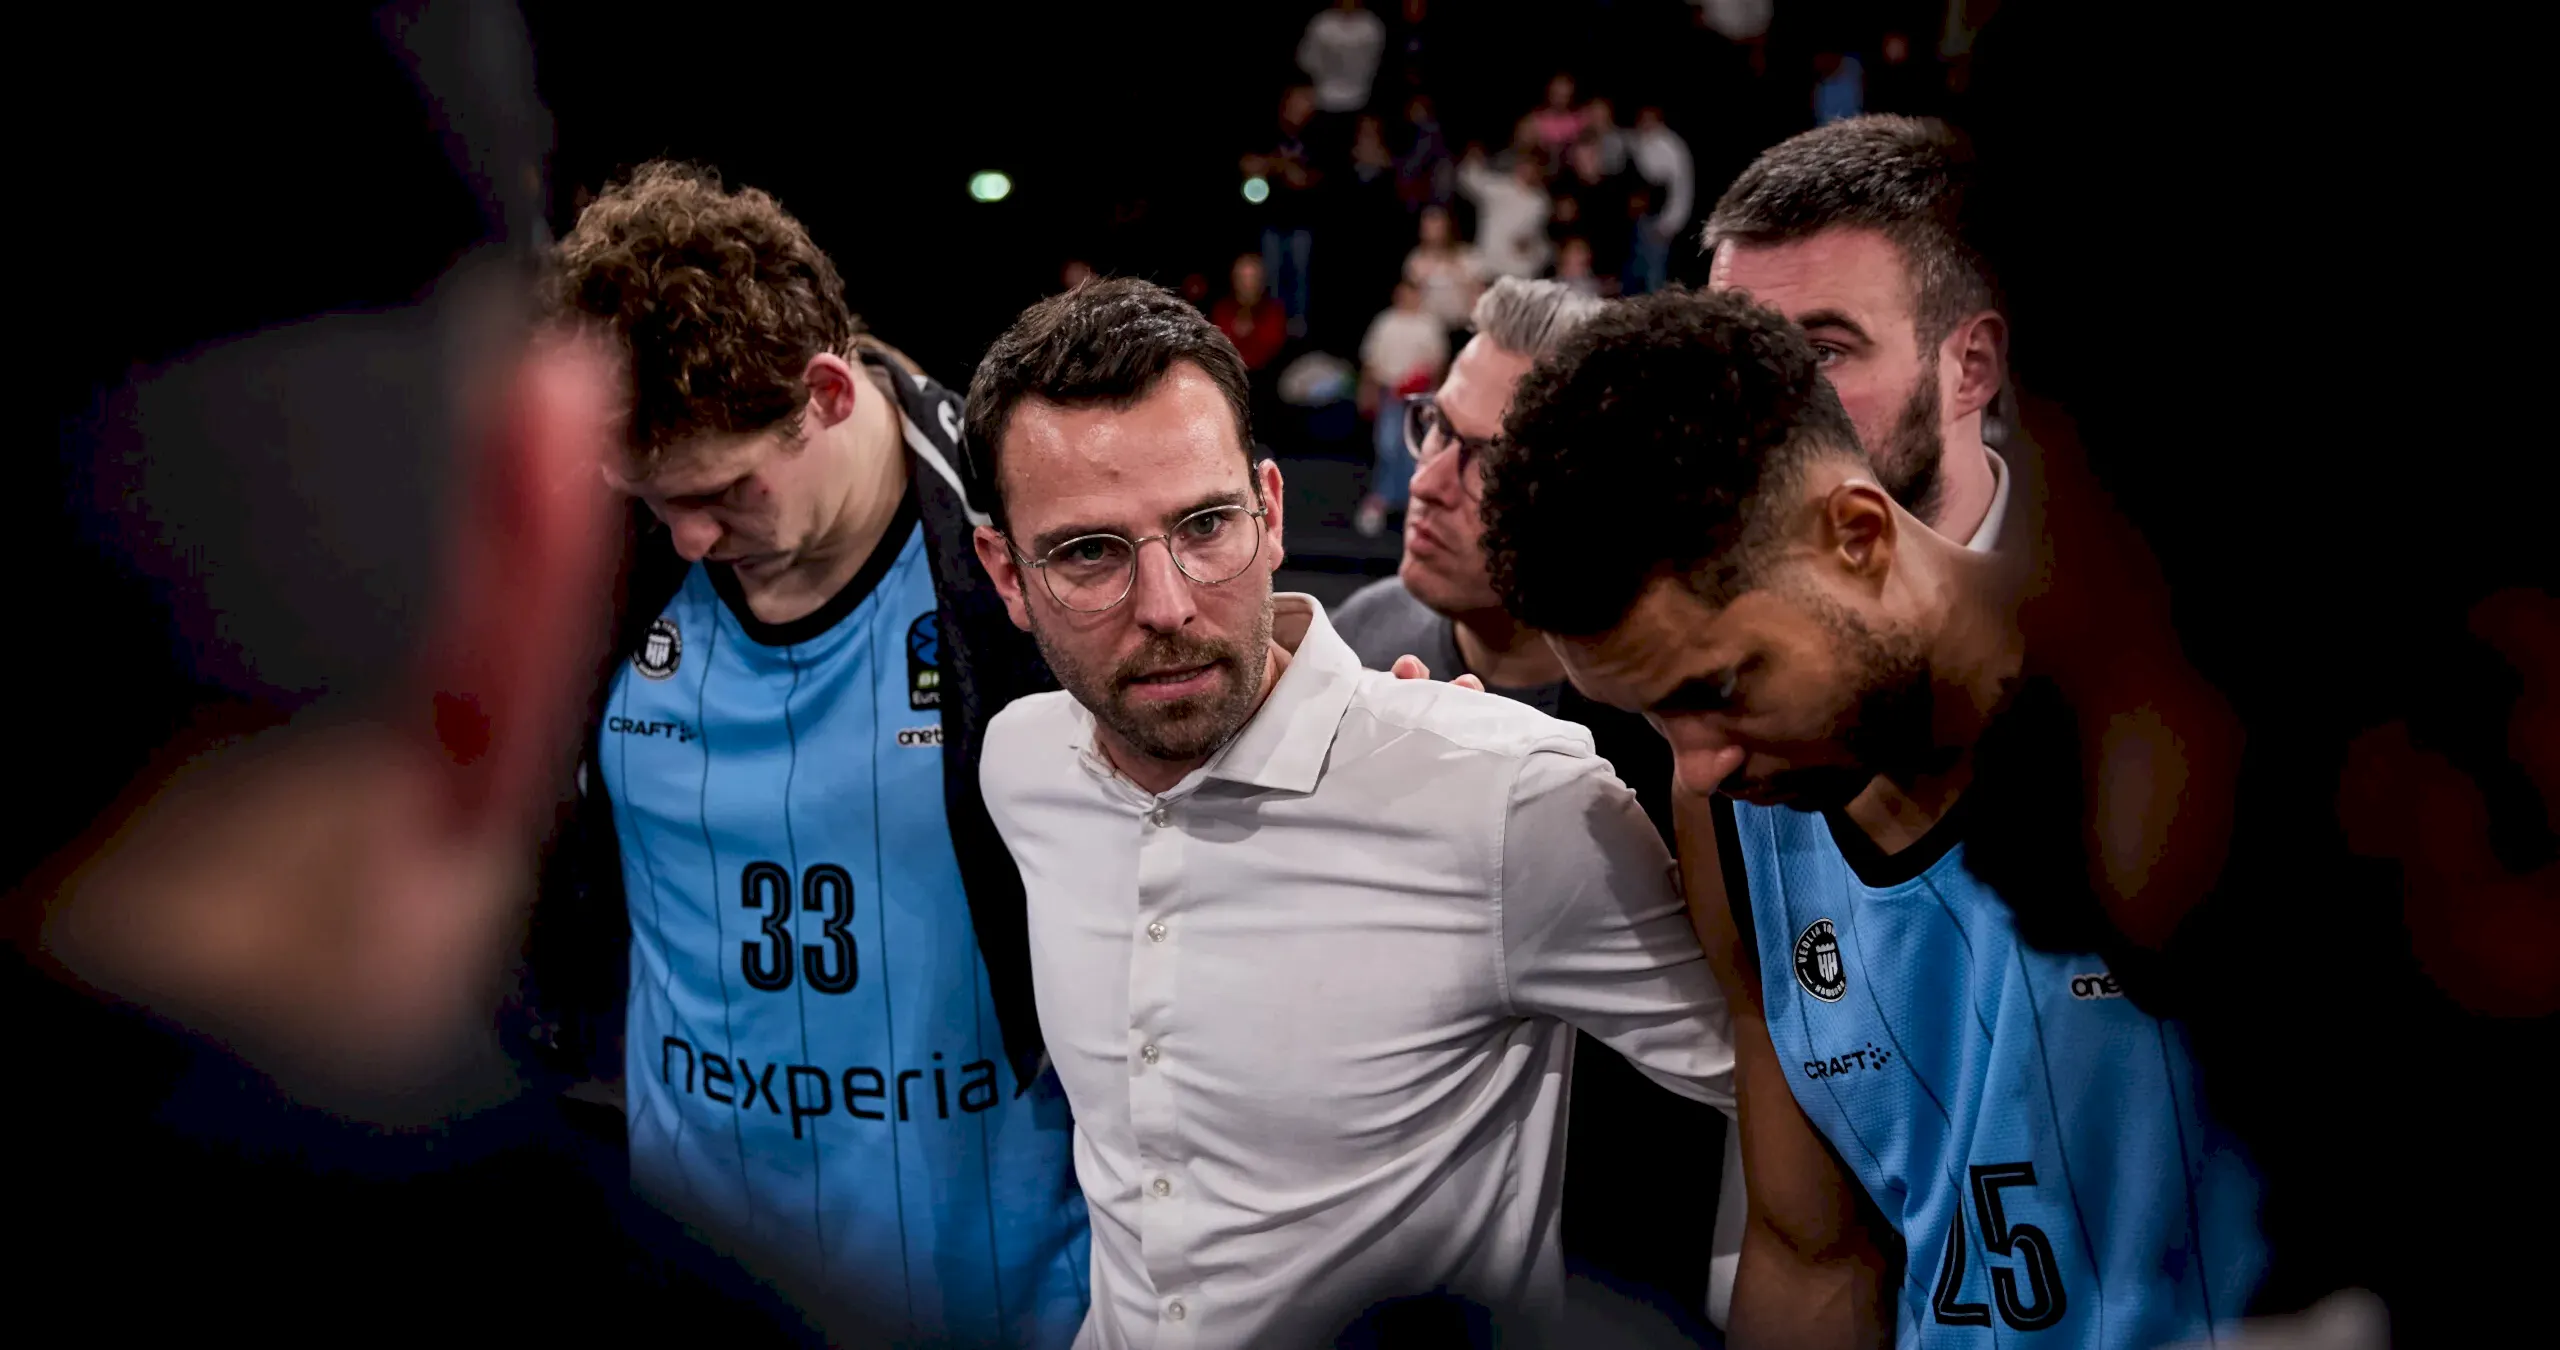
1888, 729
1187, 728
1910, 460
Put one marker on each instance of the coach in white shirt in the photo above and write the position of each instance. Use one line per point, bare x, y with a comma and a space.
1308, 942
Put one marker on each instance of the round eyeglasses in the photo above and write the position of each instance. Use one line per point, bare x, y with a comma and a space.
1428, 435
1092, 572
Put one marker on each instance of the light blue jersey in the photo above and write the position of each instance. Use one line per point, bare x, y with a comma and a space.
2035, 1137
814, 1070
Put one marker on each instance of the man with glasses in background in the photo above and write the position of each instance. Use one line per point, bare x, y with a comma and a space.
1308, 941
1636, 1152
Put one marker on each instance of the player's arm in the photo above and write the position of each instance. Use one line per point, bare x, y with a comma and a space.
1812, 1270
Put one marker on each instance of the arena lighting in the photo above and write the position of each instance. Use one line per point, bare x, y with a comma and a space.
1256, 189
989, 186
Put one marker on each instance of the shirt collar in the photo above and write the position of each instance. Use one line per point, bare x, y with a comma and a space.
1986, 536
1285, 744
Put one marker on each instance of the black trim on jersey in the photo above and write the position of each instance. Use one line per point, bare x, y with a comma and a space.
815, 623
1737, 878
1879, 869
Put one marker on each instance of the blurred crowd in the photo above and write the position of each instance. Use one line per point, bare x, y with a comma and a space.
1395, 181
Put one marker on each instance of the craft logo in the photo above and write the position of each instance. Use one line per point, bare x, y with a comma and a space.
660, 651
1818, 966
924, 662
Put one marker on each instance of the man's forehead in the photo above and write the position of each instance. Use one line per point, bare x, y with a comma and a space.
1669, 635
1478, 390
1099, 465
1848, 267
695, 465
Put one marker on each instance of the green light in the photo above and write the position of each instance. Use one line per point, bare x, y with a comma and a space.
989, 186
1256, 190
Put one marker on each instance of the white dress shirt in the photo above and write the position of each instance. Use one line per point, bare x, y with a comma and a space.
1314, 1005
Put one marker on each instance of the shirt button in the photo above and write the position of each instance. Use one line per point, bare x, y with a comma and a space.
1157, 817
1175, 1312
1155, 932
1163, 1187
1149, 1054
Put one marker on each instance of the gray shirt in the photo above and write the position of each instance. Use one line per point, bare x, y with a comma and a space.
1383, 621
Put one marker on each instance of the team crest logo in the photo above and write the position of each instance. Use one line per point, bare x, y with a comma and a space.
1818, 966
660, 651
924, 662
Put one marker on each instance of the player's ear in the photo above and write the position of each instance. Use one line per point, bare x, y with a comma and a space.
1266, 476
1858, 528
997, 557
834, 388
1977, 353
523, 609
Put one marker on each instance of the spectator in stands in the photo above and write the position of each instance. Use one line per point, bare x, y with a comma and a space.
1596, 205
1744, 23
1404, 355
1444, 270
1661, 158
1574, 268
1074, 272
1340, 52
1250, 317
1289, 170
1555, 124
1425, 170
1511, 213
1840, 87
1365, 229
1417, 48
1600, 123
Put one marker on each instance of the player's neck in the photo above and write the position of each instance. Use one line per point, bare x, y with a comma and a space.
1973, 666
1502, 653
1966, 481
872, 446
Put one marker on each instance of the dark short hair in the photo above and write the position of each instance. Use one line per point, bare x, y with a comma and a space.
715, 298
1903, 177
1655, 441
1110, 341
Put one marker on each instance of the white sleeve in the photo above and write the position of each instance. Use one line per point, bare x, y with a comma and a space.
1595, 932
1311, 51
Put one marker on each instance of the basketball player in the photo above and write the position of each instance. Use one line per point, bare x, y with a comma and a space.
1857, 231
1634, 1149
1951, 1134
831, 1060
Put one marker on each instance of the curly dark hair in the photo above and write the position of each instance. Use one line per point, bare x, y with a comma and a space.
717, 299
1653, 442
1904, 177
1108, 342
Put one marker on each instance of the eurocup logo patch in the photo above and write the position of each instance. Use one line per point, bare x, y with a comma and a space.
924, 662
1818, 966
660, 651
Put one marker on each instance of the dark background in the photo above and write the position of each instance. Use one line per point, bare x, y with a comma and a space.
2282, 269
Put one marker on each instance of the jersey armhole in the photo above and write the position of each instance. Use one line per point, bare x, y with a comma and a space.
1737, 879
